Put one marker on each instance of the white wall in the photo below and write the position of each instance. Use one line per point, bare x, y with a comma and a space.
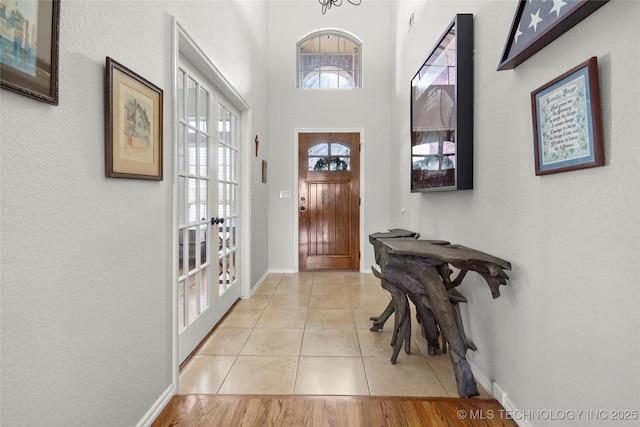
367, 109
564, 333
86, 261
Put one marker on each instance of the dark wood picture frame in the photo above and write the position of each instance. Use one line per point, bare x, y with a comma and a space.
442, 112
576, 11
133, 125
567, 123
30, 67
264, 171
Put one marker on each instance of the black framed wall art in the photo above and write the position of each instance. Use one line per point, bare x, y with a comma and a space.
442, 112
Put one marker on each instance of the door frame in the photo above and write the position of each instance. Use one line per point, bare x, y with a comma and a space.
184, 44
296, 146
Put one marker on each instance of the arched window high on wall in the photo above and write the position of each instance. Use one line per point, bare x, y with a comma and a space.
329, 59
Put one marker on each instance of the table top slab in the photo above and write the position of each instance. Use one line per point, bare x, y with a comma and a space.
441, 251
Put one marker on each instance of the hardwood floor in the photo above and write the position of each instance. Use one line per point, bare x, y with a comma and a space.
200, 410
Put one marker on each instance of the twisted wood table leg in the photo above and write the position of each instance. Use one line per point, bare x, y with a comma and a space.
416, 292
428, 274
402, 320
379, 321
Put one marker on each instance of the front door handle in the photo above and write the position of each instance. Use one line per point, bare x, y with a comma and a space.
302, 208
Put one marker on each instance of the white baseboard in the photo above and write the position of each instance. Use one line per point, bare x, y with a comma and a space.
501, 396
157, 407
260, 280
481, 378
494, 389
282, 270
288, 270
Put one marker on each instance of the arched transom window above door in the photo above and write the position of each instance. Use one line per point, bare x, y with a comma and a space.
329, 59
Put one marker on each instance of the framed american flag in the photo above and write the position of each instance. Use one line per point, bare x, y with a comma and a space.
537, 23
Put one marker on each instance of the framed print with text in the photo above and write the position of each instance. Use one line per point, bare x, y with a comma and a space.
133, 125
567, 123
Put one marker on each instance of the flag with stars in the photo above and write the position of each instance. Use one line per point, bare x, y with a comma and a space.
538, 18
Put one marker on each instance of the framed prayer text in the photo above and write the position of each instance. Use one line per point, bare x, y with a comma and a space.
567, 124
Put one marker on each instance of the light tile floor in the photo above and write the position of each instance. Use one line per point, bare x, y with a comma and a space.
308, 333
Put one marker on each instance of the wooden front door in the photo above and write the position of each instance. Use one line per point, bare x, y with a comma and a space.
329, 201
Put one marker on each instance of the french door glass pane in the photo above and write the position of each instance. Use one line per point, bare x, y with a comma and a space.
234, 131
234, 170
232, 238
181, 253
191, 101
203, 151
181, 305
181, 201
192, 307
223, 163
191, 200
181, 77
235, 203
222, 127
203, 109
190, 243
204, 191
192, 159
222, 202
201, 246
181, 147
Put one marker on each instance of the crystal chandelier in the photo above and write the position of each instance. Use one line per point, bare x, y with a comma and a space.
326, 4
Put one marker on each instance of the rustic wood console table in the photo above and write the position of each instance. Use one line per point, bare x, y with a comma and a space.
419, 270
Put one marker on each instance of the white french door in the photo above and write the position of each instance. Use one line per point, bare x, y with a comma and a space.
208, 263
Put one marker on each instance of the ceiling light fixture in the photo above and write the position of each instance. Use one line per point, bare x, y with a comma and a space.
326, 4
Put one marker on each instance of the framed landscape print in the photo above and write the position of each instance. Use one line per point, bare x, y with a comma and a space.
567, 124
29, 48
133, 125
